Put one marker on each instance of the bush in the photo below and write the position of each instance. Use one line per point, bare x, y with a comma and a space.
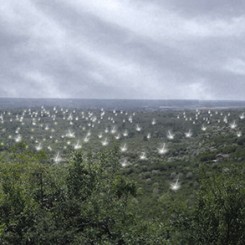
219, 214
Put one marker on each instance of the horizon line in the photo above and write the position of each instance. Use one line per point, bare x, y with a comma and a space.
137, 99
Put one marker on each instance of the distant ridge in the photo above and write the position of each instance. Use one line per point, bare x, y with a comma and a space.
11, 103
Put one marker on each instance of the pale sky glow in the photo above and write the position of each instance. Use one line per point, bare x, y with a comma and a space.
131, 49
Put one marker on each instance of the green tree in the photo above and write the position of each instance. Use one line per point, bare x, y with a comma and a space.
219, 214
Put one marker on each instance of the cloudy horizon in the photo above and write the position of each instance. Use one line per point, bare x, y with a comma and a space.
112, 49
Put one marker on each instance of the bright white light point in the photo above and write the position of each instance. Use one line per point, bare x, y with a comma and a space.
117, 137
18, 139
70, 134
57, 158
242, 116
143, 156
162, 150
77, 145
239, 134
124, 148
124, 163
86, 139
138, 128
39, 147
125, 133
104, 142
170, 135
233, 125
113, 130
204, 128
175, 186
188, 134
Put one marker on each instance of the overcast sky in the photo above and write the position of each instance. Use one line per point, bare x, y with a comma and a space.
126, 49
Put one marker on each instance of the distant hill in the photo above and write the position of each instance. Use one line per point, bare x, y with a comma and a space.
120, 104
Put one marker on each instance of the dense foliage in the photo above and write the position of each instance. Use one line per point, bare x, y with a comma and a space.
194, 193
91, 201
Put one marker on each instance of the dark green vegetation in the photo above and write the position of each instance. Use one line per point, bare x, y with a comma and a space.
194, 193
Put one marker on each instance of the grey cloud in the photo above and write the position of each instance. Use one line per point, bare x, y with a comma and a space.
72, 49
203, 8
